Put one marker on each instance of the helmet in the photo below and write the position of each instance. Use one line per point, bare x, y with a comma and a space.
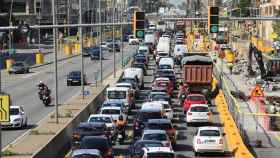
120, 117
40, 82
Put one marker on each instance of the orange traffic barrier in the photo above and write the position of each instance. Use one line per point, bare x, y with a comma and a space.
235, 142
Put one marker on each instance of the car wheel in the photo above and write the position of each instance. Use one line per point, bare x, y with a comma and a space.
196, 154
25, 124
68, 84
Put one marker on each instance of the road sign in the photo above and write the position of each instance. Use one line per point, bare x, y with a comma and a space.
214, 28
139, 33
86, 93
4, 108
257, 92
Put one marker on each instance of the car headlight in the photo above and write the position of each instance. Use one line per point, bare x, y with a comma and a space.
17, 120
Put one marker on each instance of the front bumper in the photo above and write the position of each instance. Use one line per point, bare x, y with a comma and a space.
11, 125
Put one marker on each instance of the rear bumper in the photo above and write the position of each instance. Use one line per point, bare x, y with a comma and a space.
209, 149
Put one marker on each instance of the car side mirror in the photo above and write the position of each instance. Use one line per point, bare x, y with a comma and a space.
22, 113
224, 134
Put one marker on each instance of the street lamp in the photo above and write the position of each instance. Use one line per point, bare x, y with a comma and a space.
100, 42
81, 48
114, 52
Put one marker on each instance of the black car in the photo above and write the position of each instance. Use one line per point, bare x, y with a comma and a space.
88, 129
136, 148
75, 78
103, 144
19, 67
117, 47
94, 53
141, 66
141, 119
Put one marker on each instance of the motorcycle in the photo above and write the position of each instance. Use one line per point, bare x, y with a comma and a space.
46, 100
121, 134
182, 98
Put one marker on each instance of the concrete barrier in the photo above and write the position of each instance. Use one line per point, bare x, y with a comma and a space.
56, 146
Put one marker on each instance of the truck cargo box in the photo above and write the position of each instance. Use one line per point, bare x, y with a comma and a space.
198, 74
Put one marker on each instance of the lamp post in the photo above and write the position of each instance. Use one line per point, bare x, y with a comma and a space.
81, 49
100, 42
114, 52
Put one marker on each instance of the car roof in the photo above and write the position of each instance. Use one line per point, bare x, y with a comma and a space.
86, 151
100, 115
111, 107
147, 141
113, 102
123, 83
162, 78
159, 149
143, 47
148, 105
203, 105
117, 88
153, 131
196, 95
209, 128
15, 106
159, 121
157, 92
75, 71
92, 124
149, 110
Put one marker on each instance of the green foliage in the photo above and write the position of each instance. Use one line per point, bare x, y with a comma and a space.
8, 152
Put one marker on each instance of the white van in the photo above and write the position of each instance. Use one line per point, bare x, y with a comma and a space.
135, 73
120, 94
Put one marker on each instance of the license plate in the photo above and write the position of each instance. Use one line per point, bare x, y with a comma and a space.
209, 141
5, 123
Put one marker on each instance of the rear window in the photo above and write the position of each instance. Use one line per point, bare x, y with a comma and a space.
149, 115
14, 111
100, 119
162, 126
199, 109
111, 111
100, 144
165, 67
116, 94
160, 155
196, 98
89, 129
213, 133
155, 136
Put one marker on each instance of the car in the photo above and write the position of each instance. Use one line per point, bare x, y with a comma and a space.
208, 139
143, 50
135, 149
142, 117
165, 83
74, 78
199, 113
116, 103
161, 55
18, 67
135, 73
163, 62
159, 135
130, 80
18, 118
132, 40
117, 47
168, 110
114, 112
140, 65
100, 143
193, 99
94, 53
86, 153
157, 152
104, 46
89, 129
159, 96
107, 119
141, 58
180, 41
163, 124
152, 105
124, 94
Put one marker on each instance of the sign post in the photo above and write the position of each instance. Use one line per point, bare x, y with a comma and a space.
4, 113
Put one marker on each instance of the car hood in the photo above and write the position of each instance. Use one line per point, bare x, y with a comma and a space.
13, 117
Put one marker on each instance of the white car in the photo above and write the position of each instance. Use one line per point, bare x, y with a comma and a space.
132, 40
158, 152
179, 50
208, 139
168, 111
159, 135
167, 63
114, 112
107, 119
104, 46
199, 113
18, 118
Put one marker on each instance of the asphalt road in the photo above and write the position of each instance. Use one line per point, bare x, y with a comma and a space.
184, 145
23, 91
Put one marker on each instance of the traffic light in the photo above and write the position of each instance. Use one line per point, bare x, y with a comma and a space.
139, 24
213, 19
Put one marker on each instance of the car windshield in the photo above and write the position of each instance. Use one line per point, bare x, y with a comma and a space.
100, 119
162, 126
199, 109
18, 64
196, 98
150, 115
14, 111
112, 104
142, 51
86, 156
76, 74
155, 136
160, 155
116, 94
159, 97
126, 86
153, 144
163, 54
89, 129
209, 133
111, 111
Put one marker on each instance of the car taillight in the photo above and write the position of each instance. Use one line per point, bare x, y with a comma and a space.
167, 144
109, 152
221, 141
76, 136
198, 141
171, 131
189, 113
208, 113
136, 124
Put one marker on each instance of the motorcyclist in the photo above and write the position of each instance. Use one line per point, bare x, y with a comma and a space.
42, 86
121, 125
182, 90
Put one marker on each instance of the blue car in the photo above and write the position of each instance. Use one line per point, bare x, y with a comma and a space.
94, 53
74, 78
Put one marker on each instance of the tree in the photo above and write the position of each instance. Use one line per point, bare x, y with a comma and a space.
276, 24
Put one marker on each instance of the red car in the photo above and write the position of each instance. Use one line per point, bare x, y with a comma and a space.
165, 83
193, 99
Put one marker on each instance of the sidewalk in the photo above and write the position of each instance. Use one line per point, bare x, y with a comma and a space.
255, 127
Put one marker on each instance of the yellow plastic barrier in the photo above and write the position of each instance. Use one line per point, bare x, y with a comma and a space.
68, 49
77, 47
230, 57
9, 63
39, 58
235, 142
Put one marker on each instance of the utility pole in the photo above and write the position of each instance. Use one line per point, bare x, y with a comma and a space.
55, 60
114, 52
122, 7
100, 42
81, 49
